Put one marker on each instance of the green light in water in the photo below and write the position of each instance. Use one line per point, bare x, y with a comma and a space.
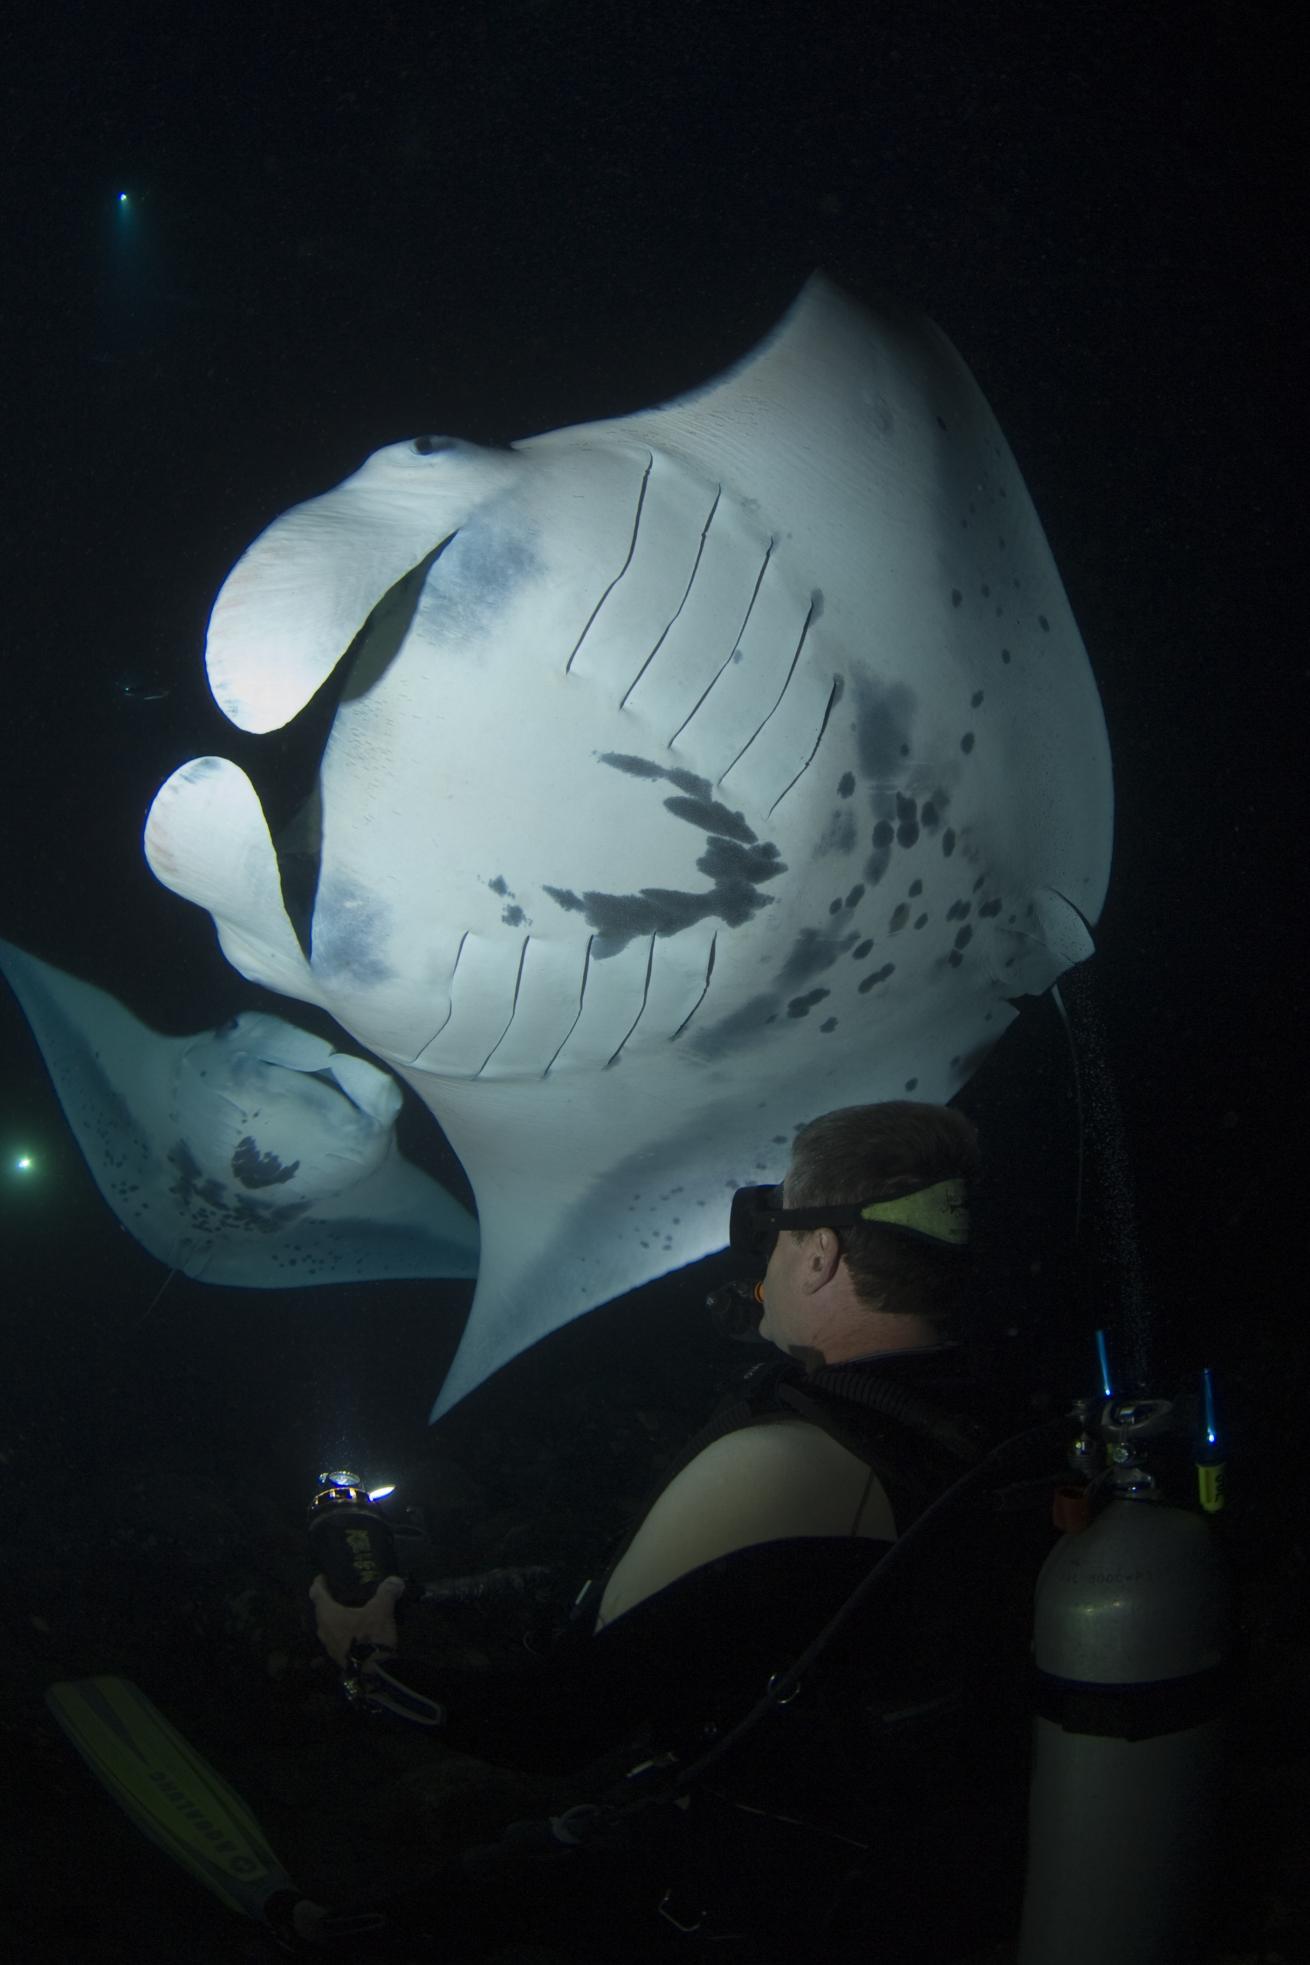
123, 199
24, 1164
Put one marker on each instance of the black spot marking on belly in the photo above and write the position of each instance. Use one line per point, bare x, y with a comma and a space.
711, 817
696, 805
736, 871
813, 951
884, 726
840, 834
735, 1032
644, 767
255, 1169
734, 859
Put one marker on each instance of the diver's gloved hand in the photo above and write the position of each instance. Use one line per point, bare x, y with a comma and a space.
342, 1626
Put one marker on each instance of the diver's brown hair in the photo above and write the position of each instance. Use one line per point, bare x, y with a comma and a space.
873, 1153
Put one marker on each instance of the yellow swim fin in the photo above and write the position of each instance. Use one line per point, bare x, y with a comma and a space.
170, 1792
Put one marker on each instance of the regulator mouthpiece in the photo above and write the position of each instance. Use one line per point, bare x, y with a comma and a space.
735, 1311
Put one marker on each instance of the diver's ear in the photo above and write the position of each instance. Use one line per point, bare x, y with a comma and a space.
822, 1258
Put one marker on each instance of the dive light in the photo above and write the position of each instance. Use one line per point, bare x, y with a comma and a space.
350, 1539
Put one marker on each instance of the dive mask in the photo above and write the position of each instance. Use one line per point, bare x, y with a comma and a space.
939, 1214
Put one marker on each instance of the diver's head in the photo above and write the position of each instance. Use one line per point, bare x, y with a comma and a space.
867, 1239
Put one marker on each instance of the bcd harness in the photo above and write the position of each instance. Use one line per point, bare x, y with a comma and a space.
933, 1463
911, 1444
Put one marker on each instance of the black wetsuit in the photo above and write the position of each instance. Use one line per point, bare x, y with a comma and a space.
893, 1777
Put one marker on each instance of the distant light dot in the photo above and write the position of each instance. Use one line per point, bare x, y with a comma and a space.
24, 1164
123, 198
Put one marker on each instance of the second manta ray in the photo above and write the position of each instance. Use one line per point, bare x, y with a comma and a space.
256, 1155
695, 772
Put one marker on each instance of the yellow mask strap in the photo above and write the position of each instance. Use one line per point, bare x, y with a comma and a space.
940, 1212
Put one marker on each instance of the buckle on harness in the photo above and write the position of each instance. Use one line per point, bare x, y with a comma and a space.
681, 1916
691, 1923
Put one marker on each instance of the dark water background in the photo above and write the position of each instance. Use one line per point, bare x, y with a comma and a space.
356, 224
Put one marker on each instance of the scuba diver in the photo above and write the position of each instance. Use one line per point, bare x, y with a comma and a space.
871, 1678
897, 1758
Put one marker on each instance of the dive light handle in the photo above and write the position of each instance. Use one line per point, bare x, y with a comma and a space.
350, 1542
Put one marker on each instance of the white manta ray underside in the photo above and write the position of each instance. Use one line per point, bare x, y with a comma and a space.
697, 771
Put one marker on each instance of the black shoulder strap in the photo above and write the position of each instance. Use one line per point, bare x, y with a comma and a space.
874, 1419
753, 1402
913, 1446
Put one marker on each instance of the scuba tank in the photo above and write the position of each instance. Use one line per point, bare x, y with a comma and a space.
1134, 1644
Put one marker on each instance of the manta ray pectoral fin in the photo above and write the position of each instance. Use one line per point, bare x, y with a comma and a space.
559, 1222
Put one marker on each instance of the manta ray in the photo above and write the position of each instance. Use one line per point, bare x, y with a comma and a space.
693, 772
255, 1154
